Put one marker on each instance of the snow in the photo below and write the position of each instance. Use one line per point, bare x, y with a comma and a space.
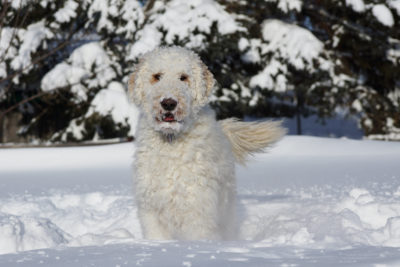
357, 105
66, 13
296, 44
63, 75
356, 5
179, 22
17, 4
287, 44
31, 38
79, 67
308, 202
7, 49
380, 11
150, 38
105, 11
394, 56
383, 14
395, 4
103, 14
93, 54
252, 55
114, 101
75, 128
270, 77
394, 132
288, 5
133, 15
395, 95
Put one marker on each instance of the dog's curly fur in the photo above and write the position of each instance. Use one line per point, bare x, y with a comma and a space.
184, 161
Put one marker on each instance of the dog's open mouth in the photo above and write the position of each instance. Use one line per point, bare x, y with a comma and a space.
168, 117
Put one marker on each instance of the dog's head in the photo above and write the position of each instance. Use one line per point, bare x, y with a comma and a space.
170, 85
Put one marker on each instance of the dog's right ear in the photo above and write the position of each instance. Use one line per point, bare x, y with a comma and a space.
135, 85
208, 79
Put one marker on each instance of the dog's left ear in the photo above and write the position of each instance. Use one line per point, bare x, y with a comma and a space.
209, 80
204, 84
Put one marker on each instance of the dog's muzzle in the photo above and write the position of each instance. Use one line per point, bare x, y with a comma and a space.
168, 117
169, 105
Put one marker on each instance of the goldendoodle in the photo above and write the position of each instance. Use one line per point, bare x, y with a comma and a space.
185, 159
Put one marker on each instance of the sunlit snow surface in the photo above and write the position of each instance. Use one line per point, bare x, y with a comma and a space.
309, 202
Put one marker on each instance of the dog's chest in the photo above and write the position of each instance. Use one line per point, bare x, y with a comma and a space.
176, 169
176, 161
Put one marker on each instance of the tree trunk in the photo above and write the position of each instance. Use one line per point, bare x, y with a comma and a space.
298, 123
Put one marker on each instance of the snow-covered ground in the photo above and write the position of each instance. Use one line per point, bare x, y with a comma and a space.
309, 202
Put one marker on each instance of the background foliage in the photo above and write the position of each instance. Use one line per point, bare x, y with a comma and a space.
64, 64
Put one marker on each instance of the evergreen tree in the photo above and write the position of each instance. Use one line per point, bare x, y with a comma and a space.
65, 58
357, 68
64, 65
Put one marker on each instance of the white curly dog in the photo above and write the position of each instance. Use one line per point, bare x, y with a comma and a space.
184, 161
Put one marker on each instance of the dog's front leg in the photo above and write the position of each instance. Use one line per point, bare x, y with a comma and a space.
200, 224
151, 225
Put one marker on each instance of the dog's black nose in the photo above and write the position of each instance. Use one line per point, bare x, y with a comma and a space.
169, 104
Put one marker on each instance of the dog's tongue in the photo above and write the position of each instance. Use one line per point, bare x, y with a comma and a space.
169, 117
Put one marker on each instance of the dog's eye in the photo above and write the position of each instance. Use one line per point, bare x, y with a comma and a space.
156, 77
183, 77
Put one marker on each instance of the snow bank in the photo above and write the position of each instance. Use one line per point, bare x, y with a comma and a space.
322, 193
19, 233
58, 219
144, 253
63, 159
309, 202
329, 147
359, 217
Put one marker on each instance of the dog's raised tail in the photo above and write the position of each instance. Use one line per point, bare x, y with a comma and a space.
251, 137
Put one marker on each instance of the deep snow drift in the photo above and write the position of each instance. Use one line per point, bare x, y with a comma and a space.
309, 202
